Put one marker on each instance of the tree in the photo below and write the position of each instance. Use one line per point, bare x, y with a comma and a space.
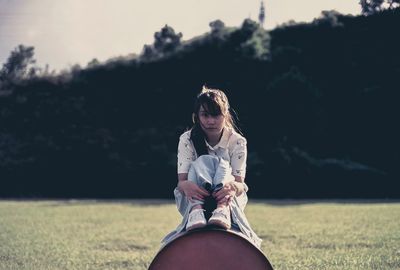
394, 3
93, 63
165, 41
249, 27
19, 65
292, 103
369, 7
148, 52
329, 18
216, 26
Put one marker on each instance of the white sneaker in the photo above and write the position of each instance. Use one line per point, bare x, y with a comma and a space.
196, 219
221, 217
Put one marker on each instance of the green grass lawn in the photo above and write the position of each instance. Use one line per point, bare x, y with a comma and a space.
125, 234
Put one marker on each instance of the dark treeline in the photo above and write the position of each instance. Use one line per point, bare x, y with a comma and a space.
317, 102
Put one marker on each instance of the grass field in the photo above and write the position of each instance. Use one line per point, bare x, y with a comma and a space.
84, 234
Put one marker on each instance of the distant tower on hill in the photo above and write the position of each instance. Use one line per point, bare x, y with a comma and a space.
261, 15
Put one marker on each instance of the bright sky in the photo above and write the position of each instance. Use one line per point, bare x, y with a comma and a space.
66, 32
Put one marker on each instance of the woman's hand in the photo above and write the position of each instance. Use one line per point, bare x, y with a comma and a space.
192, 191
226, 193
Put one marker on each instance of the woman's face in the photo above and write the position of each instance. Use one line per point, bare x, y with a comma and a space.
211, 124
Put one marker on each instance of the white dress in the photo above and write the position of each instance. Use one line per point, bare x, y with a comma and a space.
226, 159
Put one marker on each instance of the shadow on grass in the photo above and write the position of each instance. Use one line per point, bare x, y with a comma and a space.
289, 202
54, 202
75, 202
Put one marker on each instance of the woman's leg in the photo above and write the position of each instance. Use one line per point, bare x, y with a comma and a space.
202, 172
222, 214
212, 172
196, 218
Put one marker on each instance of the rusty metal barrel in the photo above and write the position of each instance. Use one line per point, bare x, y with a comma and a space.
211, 249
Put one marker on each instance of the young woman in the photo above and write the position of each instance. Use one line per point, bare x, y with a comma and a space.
212, 162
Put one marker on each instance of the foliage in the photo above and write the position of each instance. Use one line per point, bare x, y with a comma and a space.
369, 7
165, 41
329, 18
317, 103
256, 45
217, 26
18, 66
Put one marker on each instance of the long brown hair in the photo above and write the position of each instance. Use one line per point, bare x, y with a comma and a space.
214, 102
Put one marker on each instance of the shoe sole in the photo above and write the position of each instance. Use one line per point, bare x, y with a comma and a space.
196, 226
219, 224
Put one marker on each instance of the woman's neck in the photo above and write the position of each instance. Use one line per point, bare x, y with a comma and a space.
213, 139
